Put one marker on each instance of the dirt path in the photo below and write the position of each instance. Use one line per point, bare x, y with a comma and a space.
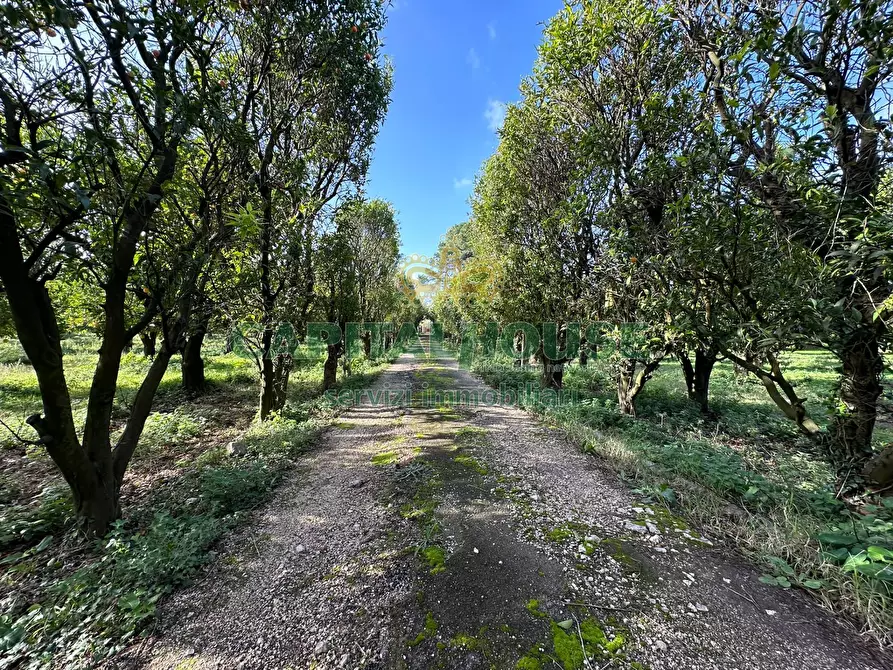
455, 537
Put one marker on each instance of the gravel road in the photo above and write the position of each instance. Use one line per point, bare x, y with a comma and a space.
451, 536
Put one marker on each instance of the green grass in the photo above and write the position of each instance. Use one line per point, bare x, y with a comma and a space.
66, 605
385, 458
20, 397
747, 475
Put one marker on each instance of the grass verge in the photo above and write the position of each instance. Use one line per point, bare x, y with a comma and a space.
70, 604
745, 476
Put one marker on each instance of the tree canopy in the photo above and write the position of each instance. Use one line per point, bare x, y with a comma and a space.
718, 173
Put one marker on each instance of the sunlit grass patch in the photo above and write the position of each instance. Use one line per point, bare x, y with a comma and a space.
385, 458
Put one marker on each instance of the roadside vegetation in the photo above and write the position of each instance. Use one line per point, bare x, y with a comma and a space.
204, 463
688, 219
745, 475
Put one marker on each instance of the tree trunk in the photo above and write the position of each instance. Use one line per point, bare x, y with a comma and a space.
785, 399
330, 367
625, 382
268, 295
704, 362
281, 374
688, 371
267, 387
267, 373
148, 338
552, 374
631, 380
366, 339
697, 376
142, 404
584, 353
98, 508
860, 388
192, 365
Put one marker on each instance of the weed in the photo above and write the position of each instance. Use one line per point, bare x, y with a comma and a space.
168, 428
96, 610
533, 606
51, 514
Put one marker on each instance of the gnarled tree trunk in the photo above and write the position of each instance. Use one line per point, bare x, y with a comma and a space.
860, 388
786, 398
632, 375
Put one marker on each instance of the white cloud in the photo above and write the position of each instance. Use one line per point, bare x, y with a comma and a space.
473, 59
491, 30
495, 114
465, 182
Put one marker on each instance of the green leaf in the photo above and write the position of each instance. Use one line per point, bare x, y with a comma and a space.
668, 494
131, 601
782, 566
12, 558
880, 554
836, 555
837, 539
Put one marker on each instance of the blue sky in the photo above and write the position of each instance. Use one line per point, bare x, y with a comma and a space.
455, 66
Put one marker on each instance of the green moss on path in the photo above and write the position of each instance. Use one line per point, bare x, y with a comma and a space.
384, 458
